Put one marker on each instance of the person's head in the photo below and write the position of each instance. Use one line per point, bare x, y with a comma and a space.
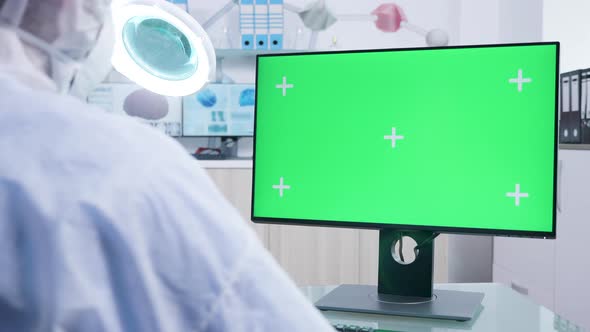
73, 38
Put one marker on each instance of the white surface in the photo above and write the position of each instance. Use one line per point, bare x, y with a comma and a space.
520, 21
229, 164
479, 22
539, 287
528, 263
572, 265
503, 310
505, 21
567, 21
235, 53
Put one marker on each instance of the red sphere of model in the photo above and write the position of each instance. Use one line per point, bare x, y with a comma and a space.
389, 17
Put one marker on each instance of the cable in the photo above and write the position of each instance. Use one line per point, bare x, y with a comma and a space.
401, 247
425, 243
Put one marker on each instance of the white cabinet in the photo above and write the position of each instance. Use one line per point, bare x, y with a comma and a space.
527, 266
572, 248
556, 273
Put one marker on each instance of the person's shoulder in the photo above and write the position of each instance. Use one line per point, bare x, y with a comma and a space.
63, 129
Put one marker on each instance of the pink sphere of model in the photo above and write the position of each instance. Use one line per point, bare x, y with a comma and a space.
389, 17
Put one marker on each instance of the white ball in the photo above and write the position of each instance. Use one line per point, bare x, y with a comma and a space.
437, 37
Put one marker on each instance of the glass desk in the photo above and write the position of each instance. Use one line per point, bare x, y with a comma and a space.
503, 309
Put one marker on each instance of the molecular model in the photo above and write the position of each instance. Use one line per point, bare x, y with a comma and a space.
262, 25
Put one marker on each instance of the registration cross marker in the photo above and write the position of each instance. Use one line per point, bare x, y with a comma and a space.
281, 186
520, 80
517, 195
285, 86
393, 137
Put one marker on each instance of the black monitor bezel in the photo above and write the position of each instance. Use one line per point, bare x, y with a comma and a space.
437, 229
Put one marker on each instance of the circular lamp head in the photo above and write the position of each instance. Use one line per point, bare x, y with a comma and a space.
161, 47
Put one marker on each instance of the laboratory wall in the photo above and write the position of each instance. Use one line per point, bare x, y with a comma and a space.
567, 22
344, 34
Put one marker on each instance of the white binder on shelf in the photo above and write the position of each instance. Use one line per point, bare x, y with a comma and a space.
247, 24
275, 24
261, 24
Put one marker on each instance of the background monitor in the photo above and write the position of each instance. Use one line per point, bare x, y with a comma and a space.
454, 139
164, 113
220, 110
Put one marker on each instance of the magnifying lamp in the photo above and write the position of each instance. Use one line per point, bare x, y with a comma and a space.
161, 47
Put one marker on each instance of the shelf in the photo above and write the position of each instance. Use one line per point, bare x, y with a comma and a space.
226, 164
574, 146
235, 53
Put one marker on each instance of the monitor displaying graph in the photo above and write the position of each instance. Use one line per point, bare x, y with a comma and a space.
219, 110
456, 139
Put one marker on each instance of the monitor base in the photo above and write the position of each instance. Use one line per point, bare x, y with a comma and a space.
404, 286
444, 304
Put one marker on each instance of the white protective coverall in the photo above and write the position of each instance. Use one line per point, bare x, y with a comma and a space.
108, 225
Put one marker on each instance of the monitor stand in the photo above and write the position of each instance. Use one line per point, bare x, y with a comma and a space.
404, 289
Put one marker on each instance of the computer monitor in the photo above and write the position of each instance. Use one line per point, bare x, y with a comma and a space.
164, 113
220, 110
411, 142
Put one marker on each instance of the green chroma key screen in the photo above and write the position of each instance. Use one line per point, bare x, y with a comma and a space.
461, 139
